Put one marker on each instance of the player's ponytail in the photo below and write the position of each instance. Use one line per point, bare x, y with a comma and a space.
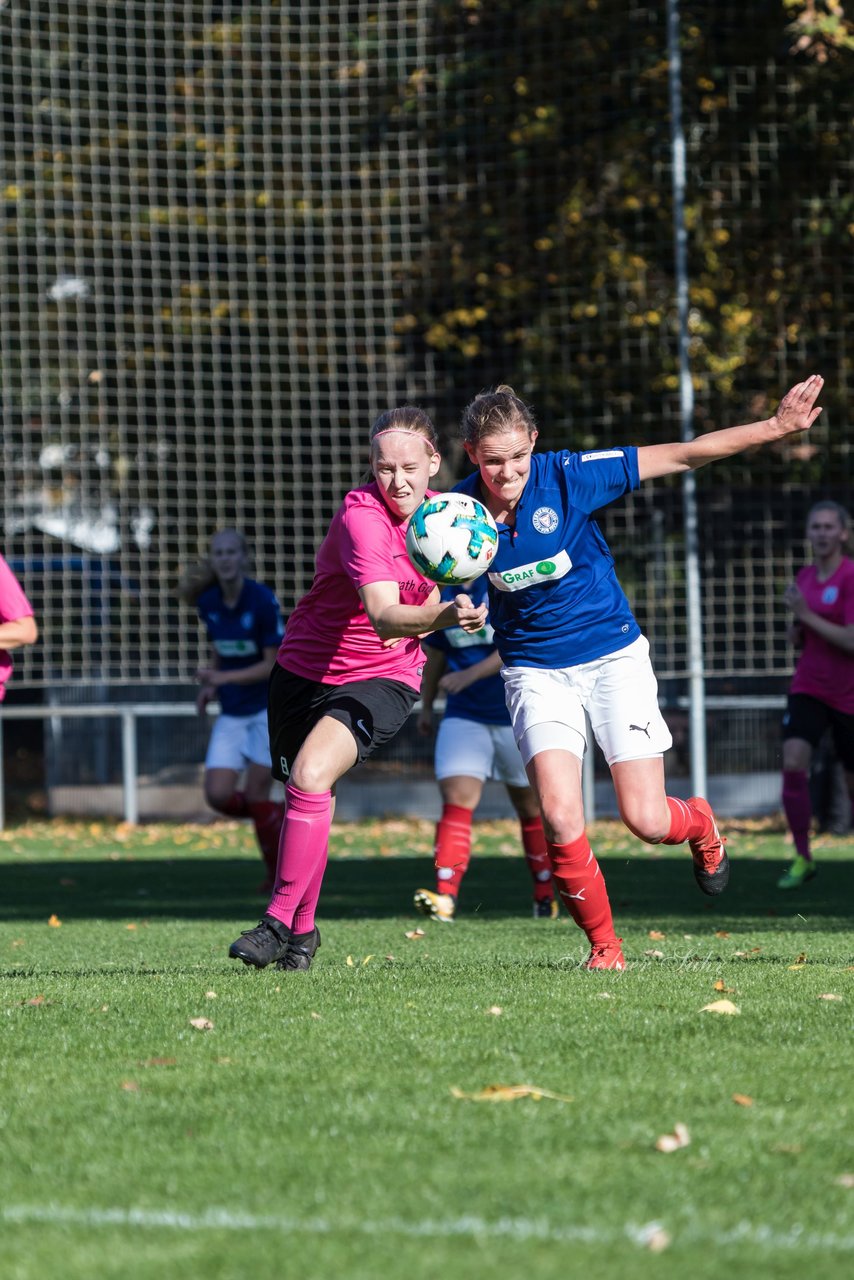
195, 579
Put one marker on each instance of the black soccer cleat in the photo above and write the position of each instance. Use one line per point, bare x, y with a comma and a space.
301, 951
268, 941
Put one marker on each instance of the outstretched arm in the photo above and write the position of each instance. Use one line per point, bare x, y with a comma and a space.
796, 412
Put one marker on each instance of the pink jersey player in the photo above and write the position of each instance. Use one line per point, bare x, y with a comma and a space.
348, 672
17, 624
821, 695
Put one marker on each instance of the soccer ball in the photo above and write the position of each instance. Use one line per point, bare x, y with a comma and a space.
451, 538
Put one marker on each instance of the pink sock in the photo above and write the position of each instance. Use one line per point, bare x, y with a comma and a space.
797, 807
302, 850
305, 912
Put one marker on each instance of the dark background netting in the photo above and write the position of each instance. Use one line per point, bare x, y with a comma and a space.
233, 233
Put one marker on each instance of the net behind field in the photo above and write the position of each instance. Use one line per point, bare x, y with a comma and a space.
233, 233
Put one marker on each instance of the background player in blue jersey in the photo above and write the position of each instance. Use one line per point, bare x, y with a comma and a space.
244, 625
570, 643
475, 742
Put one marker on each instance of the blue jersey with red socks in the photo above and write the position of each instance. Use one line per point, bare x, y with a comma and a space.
484, 700
239, 635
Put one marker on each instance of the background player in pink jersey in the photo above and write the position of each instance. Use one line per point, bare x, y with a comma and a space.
244, 626
17, 624
821, 694
348, 671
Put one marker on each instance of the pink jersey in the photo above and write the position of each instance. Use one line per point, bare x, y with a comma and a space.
824, 670
329, 637
13, 604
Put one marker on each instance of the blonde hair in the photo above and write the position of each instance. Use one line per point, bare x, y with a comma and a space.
407, 417
493, 412
197, 577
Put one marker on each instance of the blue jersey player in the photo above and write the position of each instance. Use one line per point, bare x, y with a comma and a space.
474, 742
570, 643
244, 626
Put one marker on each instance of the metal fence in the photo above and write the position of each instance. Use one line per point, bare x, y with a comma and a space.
234, 232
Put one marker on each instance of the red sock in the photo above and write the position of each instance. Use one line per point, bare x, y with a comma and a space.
581, 885
452, 851
234, 807
267, 817
797, 807
686, 823
537, 857
302, 850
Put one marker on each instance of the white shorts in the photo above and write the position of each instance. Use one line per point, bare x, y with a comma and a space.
469, 749
237, 741
619, 693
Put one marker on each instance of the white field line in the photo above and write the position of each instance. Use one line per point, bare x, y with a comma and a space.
796, 1238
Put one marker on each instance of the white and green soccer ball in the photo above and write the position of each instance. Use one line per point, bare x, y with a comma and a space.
451, 538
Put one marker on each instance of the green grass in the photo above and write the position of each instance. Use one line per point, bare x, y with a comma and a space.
312, 1132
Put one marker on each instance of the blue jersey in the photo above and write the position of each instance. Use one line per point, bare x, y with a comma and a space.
484, 700
239, 636
554, 598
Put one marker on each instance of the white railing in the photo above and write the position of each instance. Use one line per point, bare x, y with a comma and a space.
130, 712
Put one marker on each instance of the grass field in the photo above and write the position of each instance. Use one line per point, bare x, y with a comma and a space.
312, 1130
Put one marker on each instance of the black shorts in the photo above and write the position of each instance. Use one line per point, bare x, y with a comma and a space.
809, 718
373, 710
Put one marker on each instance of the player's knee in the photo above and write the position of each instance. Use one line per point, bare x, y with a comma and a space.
648, 823
562, 822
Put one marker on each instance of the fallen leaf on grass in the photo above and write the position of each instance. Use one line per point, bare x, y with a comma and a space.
132, 927
17, 942
720, 1006
509, 1093
367, 958
791, 967
414, 933
350, 962
829, 995
202, 1024
495, 1009
656, 935
801, 959
314, 1015
35, 1000
55, 922
752, 952
657, 1240
656, 955
721, 933
130, 1086
845, 1180
210, 995
720, 985
680, 1137
742, 1100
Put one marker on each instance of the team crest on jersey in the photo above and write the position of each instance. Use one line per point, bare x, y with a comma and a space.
545, 520
246, 621
829, 595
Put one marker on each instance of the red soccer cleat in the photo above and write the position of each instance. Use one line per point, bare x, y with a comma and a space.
605, 955
711, 865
